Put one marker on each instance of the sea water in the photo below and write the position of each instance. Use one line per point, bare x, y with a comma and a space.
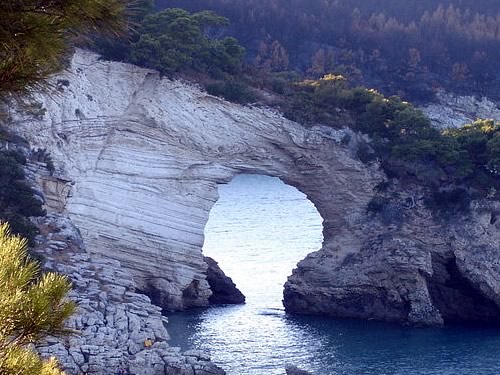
258, 231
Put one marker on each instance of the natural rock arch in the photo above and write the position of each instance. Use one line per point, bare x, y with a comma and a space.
143, 157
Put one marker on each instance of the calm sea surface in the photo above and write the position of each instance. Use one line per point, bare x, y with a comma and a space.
258, 231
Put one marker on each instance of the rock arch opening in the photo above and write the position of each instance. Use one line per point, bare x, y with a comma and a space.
257, 231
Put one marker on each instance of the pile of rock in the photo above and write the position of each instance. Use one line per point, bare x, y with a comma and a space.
113, 321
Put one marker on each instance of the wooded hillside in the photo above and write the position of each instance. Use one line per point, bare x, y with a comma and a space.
408, 48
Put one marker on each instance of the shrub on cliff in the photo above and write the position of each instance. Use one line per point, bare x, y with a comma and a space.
17, 202
403, 137
32, 306
231, 90
480, 143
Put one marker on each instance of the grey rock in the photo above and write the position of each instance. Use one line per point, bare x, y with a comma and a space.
293, 370
224, 291
149, 214
452, 111
112, 321
422, 272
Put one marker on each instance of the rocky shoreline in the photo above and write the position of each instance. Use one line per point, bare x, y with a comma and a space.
113, 320
416, 270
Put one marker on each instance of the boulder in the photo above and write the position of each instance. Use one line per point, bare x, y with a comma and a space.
224, 291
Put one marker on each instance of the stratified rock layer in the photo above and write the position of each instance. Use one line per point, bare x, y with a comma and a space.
138, 160
113, 320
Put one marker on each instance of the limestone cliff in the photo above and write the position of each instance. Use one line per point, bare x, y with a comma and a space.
138, 159
413, 266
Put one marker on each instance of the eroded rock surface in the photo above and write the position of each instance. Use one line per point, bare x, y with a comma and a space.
452, 111
138, 160
413, 268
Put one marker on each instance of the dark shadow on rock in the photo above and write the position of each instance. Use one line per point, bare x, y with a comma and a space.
293, 370
224, 291
457, 299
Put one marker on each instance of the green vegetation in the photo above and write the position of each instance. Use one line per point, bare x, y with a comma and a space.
34, 35
32, 306
175, 40
481, 144
17, 202
403, 138
231, 90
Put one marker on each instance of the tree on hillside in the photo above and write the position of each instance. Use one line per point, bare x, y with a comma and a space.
117, 48
32, 306
34, 34
174, 40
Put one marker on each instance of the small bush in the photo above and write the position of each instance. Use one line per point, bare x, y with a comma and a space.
233, 91
17, 200
365, 153
449, 201
21, 225
16, 155
388, 210
43, 156
377, 204
278, 85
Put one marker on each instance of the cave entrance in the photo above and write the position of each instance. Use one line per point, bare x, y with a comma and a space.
258, 230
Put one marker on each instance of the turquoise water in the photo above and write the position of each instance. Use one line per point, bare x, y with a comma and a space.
258, 230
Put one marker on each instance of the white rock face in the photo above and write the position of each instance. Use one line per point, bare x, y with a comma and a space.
452, 111
138, 160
